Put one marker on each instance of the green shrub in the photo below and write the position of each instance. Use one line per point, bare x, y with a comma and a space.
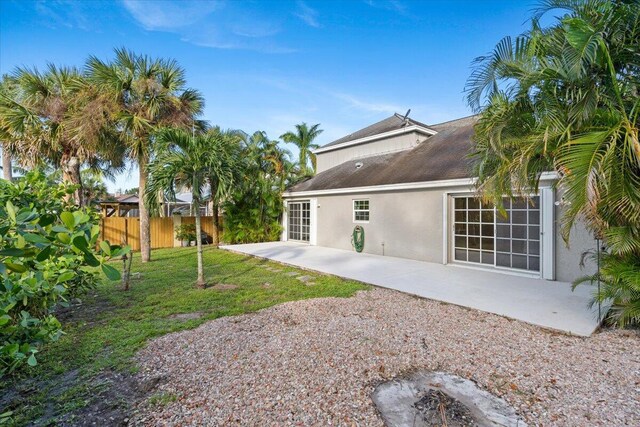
618, 276
48, 255
253, 214
186, 233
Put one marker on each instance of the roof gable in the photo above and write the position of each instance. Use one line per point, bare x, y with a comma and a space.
443, 156
393, 123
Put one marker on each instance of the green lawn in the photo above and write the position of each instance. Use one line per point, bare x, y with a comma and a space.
110, 325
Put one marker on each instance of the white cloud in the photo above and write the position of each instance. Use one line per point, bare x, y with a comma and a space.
168, 15
67, 14
307, 14
215, 24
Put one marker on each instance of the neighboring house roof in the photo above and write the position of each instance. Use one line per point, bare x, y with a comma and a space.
132, 199
395, 122
442, 156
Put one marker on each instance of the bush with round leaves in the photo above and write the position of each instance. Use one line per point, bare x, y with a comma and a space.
49, 254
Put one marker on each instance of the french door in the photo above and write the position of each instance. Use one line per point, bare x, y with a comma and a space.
482, 235
299, 220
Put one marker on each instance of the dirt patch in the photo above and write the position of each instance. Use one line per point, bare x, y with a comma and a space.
224, 287
86, 310
438, 408
113, 395
108, 398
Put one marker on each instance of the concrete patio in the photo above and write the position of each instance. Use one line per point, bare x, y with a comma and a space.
544, 303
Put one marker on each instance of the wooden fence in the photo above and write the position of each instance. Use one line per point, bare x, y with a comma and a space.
126, 230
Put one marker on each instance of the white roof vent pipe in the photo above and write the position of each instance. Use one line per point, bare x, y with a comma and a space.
359, 165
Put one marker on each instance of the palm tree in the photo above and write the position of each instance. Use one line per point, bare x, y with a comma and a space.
6, 89
566, 98
192, 162
228, 142
254, 212
7, 167
149, 94
303, 138
56, 118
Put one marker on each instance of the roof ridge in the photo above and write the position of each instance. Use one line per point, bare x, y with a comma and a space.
454, 120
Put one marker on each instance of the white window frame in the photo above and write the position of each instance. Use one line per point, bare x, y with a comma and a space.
368, 211
313, 231
547, 240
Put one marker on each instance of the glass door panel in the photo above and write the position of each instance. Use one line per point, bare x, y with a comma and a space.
482, 235
299, 221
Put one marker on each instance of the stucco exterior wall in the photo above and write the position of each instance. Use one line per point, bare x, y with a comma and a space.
329, 159
568, 258
409, 224
397, 219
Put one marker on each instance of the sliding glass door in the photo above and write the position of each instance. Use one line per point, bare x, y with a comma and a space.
299, 220
482, 235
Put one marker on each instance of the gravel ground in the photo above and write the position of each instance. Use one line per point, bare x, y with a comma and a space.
316, 362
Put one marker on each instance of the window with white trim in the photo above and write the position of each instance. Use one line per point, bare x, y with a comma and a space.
482, 235
361, 210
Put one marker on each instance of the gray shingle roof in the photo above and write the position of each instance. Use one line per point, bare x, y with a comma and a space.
442, 156
394, 122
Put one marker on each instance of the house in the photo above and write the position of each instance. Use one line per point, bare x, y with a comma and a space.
121, 205
409, 186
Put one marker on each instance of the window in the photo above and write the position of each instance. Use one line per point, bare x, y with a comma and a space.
482, 235
360, 211
299, 220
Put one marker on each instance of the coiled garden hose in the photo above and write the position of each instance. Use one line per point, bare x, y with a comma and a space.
357, 238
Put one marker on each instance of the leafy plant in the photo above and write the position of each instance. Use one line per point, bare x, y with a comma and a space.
48, 256
255, 208
186, 233
565, 98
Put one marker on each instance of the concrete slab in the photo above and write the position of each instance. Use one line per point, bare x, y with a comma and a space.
549, 304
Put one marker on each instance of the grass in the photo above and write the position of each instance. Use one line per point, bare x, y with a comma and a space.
111, 325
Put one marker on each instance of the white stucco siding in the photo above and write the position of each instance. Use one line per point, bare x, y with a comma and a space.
329, 159
567, 257
410, 223
401, 220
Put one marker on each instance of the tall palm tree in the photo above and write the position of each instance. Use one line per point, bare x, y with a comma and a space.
192, 162
567, 98
7, 87
303, 138
149, 94
56, 118
7, 164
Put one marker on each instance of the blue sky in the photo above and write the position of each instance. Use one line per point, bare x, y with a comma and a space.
267, 65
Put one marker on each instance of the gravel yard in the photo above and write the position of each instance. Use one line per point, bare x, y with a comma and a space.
316, 362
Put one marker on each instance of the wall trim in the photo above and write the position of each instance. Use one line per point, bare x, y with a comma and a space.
460, 182
414, 128
380, 188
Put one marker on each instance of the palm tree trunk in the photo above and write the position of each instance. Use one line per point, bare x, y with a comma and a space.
70, 165
216, 224
200, 282
7, 172
214, 212
145, 230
